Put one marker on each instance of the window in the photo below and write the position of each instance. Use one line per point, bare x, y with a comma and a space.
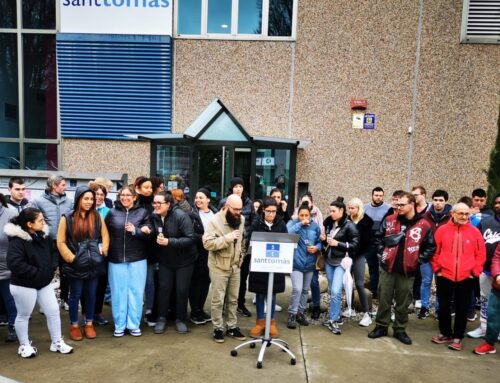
28, 97
480, 22
236, 19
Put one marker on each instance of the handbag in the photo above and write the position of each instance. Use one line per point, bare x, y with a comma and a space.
320, 262
88, 262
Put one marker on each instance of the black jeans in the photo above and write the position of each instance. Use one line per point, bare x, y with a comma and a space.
245, 270
459, 293
182, 278
200, 284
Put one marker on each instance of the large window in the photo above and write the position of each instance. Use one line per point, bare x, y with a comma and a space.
28, 87
236, 19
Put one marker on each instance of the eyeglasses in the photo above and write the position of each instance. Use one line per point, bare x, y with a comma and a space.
158, 203
270, 211
462, 214
235, 209
398, 205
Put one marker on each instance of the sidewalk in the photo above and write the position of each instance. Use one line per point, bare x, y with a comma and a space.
321, 357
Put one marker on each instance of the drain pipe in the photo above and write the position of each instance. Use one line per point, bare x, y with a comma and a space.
291, 90
411, 129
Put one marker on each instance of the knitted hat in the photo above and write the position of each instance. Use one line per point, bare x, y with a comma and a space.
204, 191
236, 181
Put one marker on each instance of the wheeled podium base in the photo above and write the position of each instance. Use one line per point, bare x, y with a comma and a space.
266, 342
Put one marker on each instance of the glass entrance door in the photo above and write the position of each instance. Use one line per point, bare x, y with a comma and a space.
215, 166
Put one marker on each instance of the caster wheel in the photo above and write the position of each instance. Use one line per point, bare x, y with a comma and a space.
259, 365
234, 353
293, 362
252, 345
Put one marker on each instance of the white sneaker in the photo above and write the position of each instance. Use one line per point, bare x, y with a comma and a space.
477, 333
61, 346
348, 313
418, 304
366, 320
27, 350
254, 299
278, 308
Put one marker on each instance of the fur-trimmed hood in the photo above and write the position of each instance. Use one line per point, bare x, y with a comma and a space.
15, 231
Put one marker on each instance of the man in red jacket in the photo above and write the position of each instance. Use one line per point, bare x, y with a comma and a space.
493, 325
459, 257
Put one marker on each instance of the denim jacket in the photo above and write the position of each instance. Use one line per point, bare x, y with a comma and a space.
309, 236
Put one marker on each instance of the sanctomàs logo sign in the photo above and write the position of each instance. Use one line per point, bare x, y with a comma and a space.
141, 17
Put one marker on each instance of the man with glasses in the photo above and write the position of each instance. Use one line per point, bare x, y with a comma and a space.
459, 258
403, 241
420, 194
225, 244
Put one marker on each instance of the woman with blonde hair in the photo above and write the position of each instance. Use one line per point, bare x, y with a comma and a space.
364, 225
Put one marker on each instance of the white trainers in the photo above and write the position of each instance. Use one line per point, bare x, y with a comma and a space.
477, 333
418, 304
61, 346
27, 350
366, 320
278, 308
348, 313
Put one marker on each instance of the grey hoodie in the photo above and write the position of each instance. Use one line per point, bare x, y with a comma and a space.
6, 213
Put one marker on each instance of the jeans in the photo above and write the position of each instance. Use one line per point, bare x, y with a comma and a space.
8, 299
25, 299
493, 326
76, 288
301, 281
260, 302
315, 291
425, 287
358, 270
460, 293
485, 282
335, 276
127, 282
174, 279
373, 269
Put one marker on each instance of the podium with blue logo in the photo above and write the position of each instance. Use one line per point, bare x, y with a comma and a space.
271, 253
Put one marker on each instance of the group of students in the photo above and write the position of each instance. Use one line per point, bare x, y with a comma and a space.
152, 249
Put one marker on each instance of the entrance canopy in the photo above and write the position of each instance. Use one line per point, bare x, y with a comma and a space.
215, 148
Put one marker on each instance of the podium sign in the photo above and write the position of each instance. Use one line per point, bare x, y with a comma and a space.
272, 252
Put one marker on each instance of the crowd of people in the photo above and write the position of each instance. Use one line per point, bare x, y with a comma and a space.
153, 255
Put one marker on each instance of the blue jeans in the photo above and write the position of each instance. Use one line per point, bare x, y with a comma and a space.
425, 287
315, 291
8, 300
76, 288
260, 303
335, 276
127, 281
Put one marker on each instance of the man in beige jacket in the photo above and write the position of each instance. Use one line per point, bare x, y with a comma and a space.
224, 241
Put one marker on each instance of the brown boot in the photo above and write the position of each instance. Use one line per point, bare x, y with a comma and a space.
89, 331
258, 329
273, 331
75, 333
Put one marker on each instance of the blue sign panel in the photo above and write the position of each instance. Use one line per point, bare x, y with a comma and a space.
369, 121
272, 250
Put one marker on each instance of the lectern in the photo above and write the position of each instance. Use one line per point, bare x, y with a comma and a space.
271, 253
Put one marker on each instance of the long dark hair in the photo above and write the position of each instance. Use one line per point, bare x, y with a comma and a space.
29, 214
84, 227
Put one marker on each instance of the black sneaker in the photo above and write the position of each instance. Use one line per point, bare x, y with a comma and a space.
291, 323
205, 316
197, 318
243, 311
423, 313
316, 311
302, 320
333, 326
340, 321
150, 319
378, 332
218, 336
236, 333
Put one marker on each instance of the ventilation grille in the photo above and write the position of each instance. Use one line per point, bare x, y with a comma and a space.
114, 85
481, 22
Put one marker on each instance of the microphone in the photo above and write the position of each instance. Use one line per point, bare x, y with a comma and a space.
235, 226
